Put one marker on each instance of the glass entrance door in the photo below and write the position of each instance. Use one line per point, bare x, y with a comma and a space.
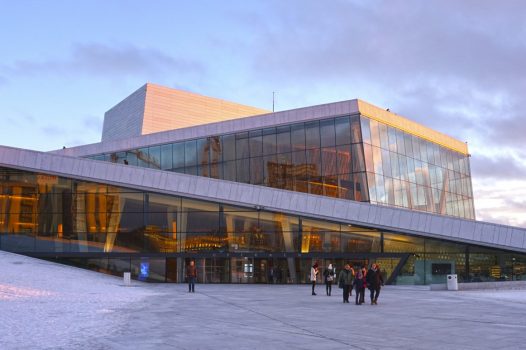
242, 270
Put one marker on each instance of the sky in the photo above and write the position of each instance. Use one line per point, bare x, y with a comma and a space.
456, 66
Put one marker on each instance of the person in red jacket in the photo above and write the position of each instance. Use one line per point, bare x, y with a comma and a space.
191, 274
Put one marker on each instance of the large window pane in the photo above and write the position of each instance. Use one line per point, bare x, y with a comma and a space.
312, 134
242, 148
256, 143
166, 157
256, 171
269, 141
366, 130
283, 139
131, 157
314, 162
214, 149
178, 155
228, 143
190, 151
377, 160
203, 151
320, 236
346, 186
360, 240
391, 134
229, 171
344, 159
327, 133
154, 157
142, 157
243, 170
297, 136
357, 158
375, 133
270, 166
329, 161
384, 140
356, 134
360, 187
343, 131
394, 243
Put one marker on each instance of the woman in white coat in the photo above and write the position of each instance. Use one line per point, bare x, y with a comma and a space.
313, 275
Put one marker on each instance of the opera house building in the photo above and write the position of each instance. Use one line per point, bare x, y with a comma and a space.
254, 196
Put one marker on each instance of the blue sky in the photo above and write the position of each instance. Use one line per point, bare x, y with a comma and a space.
457, 67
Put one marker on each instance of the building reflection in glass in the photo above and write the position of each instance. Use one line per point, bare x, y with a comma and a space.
350, 157
109, 228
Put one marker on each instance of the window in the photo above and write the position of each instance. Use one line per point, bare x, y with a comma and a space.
283, 139
228, 146
166, 157
269, 141
312, 134
297, 137
178, 155
327, 133
343, 131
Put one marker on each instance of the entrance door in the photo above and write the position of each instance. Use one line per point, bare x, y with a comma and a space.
242, 270
171, 269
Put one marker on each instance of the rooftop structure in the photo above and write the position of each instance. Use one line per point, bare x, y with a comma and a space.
153, 108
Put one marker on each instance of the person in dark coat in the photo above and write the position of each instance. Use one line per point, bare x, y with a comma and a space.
359, 281
328, 275
364, 285
345, 278
374, 282
191, 274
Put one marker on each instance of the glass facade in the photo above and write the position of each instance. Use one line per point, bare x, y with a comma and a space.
349, 157
407, 171
114, 229
320, 157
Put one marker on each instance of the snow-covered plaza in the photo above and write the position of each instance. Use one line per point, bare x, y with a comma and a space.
48, 306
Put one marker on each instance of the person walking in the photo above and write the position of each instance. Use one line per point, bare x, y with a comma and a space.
313, 275
328, 275
191, 275
345, 279
374, 282
353, 276
364, 274
358, 287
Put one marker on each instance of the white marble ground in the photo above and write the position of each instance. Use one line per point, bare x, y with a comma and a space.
48, 306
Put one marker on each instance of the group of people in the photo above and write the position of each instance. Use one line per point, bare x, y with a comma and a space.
349, 279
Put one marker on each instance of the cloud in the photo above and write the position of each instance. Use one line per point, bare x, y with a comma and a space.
510, 131
438, 63
500, 200
497, 167
107, 61
405, 41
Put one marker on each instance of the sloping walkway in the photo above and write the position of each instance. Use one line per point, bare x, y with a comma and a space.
49, 306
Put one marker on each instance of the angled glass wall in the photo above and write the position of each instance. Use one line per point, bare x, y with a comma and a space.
113, 229
407, 171
350, 157
323, 157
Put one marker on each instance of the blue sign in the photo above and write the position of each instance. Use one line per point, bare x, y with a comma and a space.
145, 270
